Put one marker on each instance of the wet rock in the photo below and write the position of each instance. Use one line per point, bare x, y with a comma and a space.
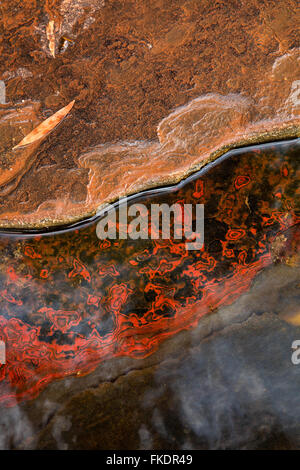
235, 390
229, 383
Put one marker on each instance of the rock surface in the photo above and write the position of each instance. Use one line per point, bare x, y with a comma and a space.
160, 89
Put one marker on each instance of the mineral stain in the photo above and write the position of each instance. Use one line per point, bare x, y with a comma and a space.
69, 301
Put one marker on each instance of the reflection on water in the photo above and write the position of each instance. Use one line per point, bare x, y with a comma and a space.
69, 301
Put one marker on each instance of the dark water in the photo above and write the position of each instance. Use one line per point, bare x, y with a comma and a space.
69, 301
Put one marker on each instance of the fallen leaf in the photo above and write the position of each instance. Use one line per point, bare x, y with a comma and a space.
43, 129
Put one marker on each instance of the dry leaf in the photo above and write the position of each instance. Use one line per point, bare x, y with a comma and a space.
43, 129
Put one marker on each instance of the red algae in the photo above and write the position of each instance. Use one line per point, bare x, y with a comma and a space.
69, 301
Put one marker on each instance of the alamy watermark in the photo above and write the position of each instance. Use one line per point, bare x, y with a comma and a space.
2, 353
160, 221
296, 354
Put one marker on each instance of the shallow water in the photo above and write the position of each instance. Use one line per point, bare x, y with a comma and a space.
70, 301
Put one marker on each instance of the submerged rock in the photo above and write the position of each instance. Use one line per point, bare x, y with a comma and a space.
70, 301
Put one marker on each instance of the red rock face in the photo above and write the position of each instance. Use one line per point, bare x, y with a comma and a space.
160, 88
69, 302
